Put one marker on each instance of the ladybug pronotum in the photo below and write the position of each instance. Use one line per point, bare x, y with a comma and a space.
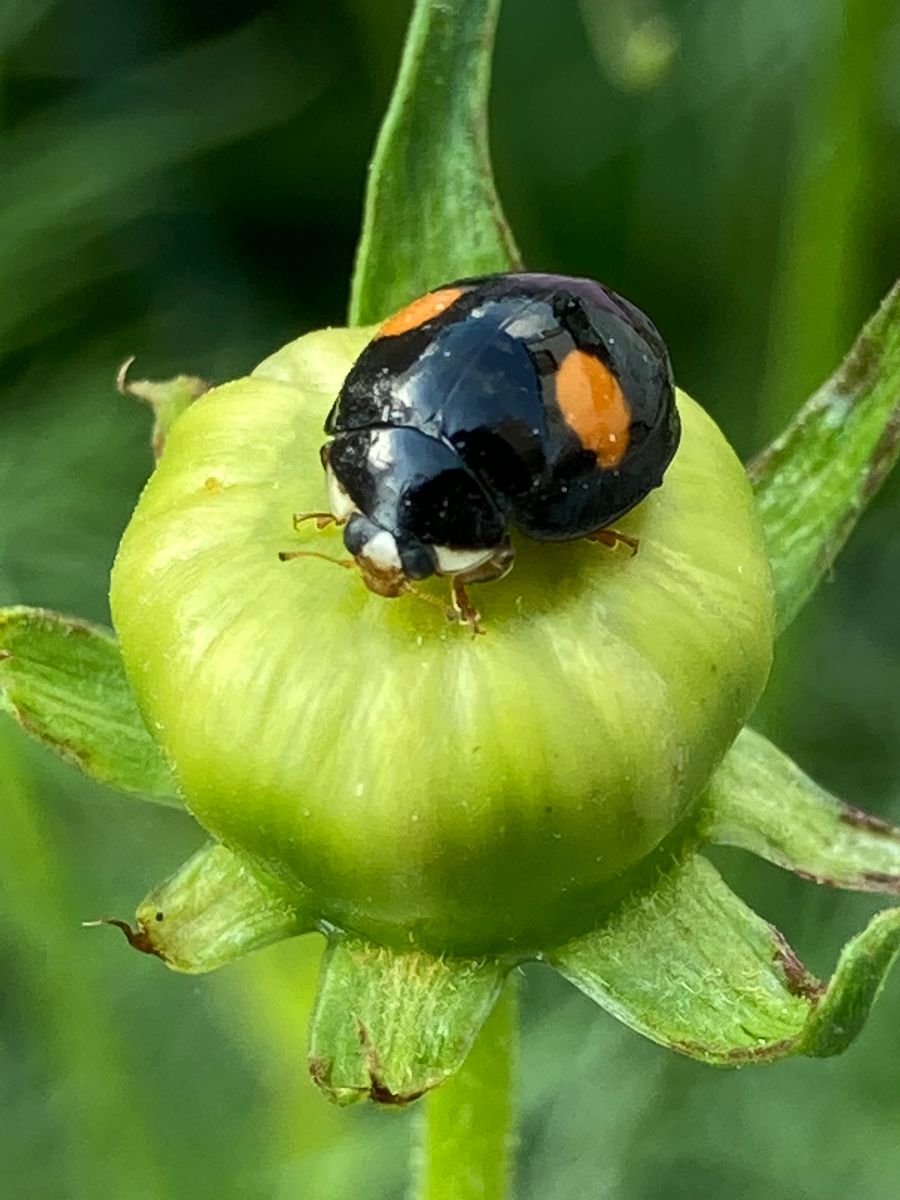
542, 402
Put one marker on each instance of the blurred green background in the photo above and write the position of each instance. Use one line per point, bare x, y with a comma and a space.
184, 182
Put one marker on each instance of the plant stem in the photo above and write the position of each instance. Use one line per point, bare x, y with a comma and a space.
469, 1128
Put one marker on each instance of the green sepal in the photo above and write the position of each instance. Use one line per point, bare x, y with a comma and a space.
432, 212
392, 1025
167, 397
761, 801
816, 479
218, 907
854, 987
689, 965
63, 681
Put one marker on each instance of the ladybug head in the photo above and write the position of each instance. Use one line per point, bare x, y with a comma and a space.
387, 563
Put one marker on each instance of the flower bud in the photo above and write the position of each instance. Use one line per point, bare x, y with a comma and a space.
464, 795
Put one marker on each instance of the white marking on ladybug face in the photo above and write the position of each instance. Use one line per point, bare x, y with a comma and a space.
381, 552
454, 562
342, 507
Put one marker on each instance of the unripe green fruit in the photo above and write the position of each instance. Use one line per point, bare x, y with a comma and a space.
464, 794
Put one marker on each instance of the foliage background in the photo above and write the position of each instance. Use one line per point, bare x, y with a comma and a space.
185, 182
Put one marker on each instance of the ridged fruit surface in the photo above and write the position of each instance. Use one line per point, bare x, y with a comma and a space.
466, 794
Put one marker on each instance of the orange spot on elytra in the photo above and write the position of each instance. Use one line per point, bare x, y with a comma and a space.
594, 406
426, 308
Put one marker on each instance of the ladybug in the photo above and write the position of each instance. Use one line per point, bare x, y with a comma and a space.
542, 402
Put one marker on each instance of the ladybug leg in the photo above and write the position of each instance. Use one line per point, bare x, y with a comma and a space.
322, 519
410, 589
497, 564
612, 537
465, 611
287, 555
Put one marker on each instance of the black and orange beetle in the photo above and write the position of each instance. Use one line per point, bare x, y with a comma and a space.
543, 402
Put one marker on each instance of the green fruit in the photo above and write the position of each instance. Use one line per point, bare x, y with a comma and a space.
466, 795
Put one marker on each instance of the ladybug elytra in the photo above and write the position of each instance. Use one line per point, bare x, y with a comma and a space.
542, 402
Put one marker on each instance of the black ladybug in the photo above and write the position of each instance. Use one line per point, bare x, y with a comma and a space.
539, 401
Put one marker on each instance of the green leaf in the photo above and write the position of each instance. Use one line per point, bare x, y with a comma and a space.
815, 480
391, 1025
218, 907
689, 965
432, 214
63, 681
167, 397
761, 801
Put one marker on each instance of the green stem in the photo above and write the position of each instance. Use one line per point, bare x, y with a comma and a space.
469, 1126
